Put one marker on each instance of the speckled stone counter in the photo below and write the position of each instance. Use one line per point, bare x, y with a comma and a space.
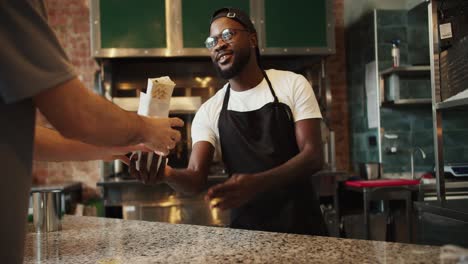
106, 241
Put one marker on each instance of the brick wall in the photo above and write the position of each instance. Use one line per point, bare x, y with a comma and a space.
70, 20
336, 68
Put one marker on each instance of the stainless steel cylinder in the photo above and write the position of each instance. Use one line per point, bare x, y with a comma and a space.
371, 170
47, 213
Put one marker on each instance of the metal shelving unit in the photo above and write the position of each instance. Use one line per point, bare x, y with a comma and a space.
403, 71
408, 70
462, 102
438, 106
422, 101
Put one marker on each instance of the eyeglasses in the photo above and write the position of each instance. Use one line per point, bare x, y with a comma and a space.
226, 35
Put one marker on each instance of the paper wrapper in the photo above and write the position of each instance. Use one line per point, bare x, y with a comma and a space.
155, 102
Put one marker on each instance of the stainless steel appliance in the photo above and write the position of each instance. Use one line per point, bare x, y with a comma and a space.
131, 199
456, 170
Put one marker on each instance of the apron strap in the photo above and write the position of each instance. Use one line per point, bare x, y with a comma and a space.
226, 98
270, 86
228, 88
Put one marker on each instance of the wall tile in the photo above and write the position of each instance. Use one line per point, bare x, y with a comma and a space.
391, 17
455, 119
415, 88
387, 34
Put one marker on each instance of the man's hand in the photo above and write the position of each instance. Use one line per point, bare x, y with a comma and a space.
114, 153
234, 192
93, 116
159, 133
155, 175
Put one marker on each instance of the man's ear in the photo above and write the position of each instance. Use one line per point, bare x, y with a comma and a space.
253, 40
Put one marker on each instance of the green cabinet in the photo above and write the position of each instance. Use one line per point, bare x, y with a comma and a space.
124, 24
196, 17
165, 28
300, 25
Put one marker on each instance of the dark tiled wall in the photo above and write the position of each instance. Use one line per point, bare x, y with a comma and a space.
413, 124
418, 36
455, 129
360, 51
391, 24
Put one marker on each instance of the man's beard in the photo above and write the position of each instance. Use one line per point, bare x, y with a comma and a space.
242, 58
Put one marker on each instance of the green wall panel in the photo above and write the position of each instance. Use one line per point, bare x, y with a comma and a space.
133, 24
196, 16
302, 23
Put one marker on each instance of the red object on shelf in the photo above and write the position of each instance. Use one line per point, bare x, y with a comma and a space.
382, 183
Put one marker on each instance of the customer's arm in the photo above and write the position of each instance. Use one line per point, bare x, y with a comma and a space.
78, 113
49, 145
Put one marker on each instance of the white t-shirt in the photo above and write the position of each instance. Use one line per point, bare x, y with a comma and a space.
290, 88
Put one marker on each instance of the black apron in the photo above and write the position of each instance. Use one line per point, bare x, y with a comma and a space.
260, 140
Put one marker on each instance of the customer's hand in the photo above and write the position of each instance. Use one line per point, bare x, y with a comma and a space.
159, 133
234, 192
114, 153
155, 175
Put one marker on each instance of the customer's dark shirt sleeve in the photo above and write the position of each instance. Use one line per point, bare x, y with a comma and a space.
31, 57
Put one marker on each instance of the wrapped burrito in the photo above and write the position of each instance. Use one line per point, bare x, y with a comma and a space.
155, 102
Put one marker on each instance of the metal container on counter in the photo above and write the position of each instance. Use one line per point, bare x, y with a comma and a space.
370, 170
47, 211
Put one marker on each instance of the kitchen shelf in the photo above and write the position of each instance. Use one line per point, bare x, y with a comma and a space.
422, 101
390, 96
412, 71
461, 102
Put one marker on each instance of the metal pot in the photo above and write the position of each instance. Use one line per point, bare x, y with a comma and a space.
370, 170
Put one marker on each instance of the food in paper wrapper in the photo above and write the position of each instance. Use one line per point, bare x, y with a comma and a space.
155, 102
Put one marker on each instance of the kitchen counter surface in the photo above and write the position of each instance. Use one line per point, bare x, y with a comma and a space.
106, 241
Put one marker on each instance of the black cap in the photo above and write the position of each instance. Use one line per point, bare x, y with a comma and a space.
234, 14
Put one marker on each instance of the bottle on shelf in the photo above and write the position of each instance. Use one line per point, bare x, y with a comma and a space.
396, 53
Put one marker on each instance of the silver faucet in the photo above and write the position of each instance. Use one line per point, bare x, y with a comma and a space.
412, 151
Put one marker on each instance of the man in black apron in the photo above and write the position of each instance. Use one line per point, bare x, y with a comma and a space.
268, 156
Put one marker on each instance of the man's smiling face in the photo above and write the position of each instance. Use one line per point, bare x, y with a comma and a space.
230, 57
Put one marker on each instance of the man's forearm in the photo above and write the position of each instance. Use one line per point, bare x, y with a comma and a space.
194, 178
49, 145
303, 165
97, 122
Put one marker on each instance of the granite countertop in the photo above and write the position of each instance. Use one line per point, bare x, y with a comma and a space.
106, 241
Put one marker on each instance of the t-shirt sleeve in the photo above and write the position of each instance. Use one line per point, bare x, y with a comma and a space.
32, 59
305, 103
203, 127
